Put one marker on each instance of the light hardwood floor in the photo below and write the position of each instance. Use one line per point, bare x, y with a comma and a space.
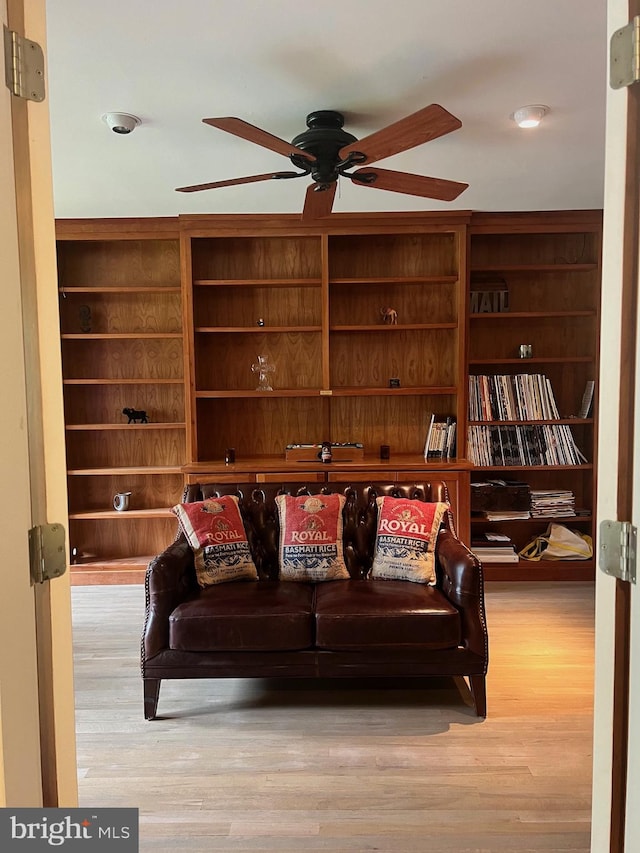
240, 765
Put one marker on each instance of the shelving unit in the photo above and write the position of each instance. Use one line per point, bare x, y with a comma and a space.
122, 346
311, 301
169, 315
550, 265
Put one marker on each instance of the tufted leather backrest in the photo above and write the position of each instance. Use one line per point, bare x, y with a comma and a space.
360, 515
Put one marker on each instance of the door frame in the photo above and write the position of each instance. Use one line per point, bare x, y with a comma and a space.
37, 731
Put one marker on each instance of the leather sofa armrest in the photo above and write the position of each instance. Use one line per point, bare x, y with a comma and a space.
170, 579
462, 582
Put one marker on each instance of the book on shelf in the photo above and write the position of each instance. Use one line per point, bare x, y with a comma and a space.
529, 445
495, 555
587, 399
506, 397
440, 442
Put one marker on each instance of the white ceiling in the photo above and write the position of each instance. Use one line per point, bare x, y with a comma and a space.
270, 62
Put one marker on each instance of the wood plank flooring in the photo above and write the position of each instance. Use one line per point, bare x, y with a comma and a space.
241, 765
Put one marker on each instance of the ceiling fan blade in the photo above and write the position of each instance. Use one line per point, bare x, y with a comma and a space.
318, 202
255, 134
403, 182
427, 124
233, 181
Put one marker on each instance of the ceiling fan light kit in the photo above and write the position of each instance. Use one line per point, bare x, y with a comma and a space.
326, 152
530, 116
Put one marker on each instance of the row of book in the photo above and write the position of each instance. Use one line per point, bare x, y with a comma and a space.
519, 397
523, 444
440, 442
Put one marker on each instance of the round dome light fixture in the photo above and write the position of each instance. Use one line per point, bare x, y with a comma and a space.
122, 123
530, 116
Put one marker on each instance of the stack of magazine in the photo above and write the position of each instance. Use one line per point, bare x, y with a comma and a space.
494, 548
552, 503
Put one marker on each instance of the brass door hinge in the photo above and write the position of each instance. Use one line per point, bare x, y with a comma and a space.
47, 552
624, 55
618, 549
23, 66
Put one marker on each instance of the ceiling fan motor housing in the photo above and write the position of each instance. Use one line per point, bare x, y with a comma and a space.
324, 139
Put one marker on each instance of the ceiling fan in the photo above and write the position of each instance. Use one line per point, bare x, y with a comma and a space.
327, 152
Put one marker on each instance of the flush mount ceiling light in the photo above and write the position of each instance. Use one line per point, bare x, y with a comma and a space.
530, 116
121, 122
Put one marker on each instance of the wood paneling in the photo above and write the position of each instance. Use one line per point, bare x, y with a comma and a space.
257, 257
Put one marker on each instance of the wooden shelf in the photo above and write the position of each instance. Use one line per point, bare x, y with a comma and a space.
530, 315
106, 427
115, 336
131, 570
255, 329
393, 328
543, 570
257, 282
94, 381
127, 515
569, 421
120, 289
573, 359
133, 469
383, 281
562, 519
525, 268
279, 392
584, 467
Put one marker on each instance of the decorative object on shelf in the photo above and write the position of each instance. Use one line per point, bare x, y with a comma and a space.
121, 501
263, 369
325, 452
84, 315
389, 316
394, 382
229, 456
525, 350
136, 416
385, 452
347, 452
489, 301
260, 321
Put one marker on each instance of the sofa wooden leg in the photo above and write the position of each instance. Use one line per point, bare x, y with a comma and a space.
479, 693
151, 693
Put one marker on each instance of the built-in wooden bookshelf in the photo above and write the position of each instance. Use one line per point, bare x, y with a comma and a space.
169, 315
122, 346
550, 266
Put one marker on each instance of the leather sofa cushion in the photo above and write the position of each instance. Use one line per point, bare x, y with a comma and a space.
360, 614
245, 616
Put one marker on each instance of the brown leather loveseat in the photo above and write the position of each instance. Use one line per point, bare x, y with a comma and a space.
349, 628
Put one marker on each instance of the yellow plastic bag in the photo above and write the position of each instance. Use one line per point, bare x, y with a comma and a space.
559, 543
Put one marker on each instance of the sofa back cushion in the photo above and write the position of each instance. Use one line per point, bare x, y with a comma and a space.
360, 515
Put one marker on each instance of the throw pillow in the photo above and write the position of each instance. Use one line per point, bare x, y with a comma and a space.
406, 539
310, 547
215, 531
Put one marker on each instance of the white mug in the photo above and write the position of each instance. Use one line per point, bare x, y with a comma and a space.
121, 501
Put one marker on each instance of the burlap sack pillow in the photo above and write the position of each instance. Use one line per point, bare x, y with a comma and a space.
406, 539
215, 531
310, 547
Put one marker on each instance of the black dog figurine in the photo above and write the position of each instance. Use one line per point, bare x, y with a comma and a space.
136, 416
